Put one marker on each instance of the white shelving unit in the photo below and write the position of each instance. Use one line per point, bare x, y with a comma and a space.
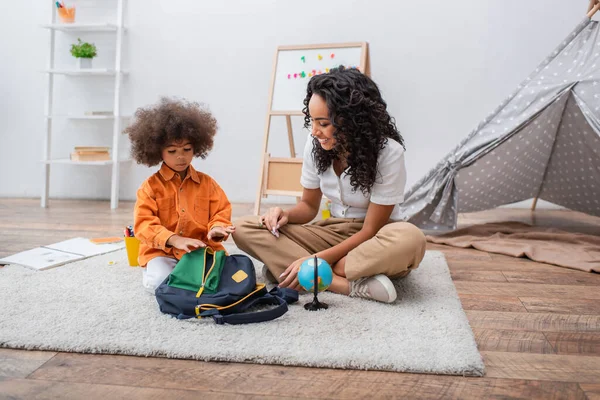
83, 72
47, 160
69, 161
74, 27
74, 116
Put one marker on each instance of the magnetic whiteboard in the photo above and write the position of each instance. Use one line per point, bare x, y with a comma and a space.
296, 65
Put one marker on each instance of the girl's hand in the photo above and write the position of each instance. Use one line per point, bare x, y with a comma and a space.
184, 243
274, 219
219, 233
290, 275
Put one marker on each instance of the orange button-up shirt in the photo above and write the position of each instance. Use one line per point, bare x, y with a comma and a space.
167, 206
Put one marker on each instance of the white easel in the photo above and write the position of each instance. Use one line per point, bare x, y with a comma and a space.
280, 176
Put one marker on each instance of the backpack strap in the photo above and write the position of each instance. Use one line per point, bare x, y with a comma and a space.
277, 296
251, 317
289, 295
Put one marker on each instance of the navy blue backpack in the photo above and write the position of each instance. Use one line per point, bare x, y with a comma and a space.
205, 284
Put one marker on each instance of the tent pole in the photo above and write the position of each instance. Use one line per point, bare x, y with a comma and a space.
534, 203
535, 200
593, 10
591, 5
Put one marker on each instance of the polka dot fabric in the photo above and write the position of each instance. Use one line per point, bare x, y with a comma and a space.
514, 170
543, 140
573, 174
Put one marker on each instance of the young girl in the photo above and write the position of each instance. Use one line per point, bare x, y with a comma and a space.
178, 209
356, 159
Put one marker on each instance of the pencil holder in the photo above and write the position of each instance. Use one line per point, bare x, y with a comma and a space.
132, 244
66, 14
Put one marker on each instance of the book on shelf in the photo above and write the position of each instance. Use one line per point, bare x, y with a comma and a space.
90, 153
92, 149
90, 157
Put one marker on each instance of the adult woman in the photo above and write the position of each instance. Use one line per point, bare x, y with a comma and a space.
355, 159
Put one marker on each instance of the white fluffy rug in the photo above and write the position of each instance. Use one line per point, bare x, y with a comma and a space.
93, 307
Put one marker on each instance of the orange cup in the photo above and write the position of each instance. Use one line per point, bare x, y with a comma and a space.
66, 14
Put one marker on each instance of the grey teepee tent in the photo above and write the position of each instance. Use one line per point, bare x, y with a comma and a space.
542, 142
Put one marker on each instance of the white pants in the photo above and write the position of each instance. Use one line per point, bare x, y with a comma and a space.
156, 271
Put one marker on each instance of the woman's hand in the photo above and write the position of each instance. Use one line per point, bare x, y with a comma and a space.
185, 243
274, 219
219, 233
290, 275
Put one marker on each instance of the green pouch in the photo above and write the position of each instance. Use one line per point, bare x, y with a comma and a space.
198, 271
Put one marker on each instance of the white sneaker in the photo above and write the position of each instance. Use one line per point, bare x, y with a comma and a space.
268, 276
378, 287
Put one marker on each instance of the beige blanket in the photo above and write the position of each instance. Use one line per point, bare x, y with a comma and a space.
542, 244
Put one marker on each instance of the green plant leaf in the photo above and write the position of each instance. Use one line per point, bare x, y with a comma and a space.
83, 49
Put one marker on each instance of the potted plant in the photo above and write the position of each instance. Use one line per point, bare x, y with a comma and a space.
83, 52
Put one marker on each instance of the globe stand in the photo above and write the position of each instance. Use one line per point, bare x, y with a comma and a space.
316, 305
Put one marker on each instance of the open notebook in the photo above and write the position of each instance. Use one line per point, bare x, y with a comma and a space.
54, 255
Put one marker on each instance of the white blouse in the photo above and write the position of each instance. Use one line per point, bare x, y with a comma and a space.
346, 203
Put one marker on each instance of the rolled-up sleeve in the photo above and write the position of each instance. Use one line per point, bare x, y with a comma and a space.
309, 179
220, 208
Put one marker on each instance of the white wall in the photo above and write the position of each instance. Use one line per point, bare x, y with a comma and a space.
442, 66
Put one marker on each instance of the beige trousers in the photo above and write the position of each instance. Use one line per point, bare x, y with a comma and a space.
395, 250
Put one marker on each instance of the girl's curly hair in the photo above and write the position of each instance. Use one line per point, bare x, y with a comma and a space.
361, 121
169, 121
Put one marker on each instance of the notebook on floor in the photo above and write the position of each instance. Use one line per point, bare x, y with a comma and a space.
57, 254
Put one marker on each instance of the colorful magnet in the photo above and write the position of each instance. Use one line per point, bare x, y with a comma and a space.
289, 76
320, 72
320, 57
303, 59
302, 74
310, 74
332, 55
326, 69
295, 75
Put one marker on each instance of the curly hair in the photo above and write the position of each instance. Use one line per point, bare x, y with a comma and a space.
361, 121
169, 121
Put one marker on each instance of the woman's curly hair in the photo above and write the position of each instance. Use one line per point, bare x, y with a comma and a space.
361, 121
169, 121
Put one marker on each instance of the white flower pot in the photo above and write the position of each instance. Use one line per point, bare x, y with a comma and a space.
84, 63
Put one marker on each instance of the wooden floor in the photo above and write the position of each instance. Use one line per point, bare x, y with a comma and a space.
537, 327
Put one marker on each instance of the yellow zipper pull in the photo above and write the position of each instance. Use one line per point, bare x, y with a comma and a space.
204, 270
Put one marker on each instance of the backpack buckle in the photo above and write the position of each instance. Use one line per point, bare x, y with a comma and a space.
219, 320
209, 313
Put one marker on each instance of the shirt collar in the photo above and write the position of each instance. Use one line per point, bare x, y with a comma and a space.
168, 174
